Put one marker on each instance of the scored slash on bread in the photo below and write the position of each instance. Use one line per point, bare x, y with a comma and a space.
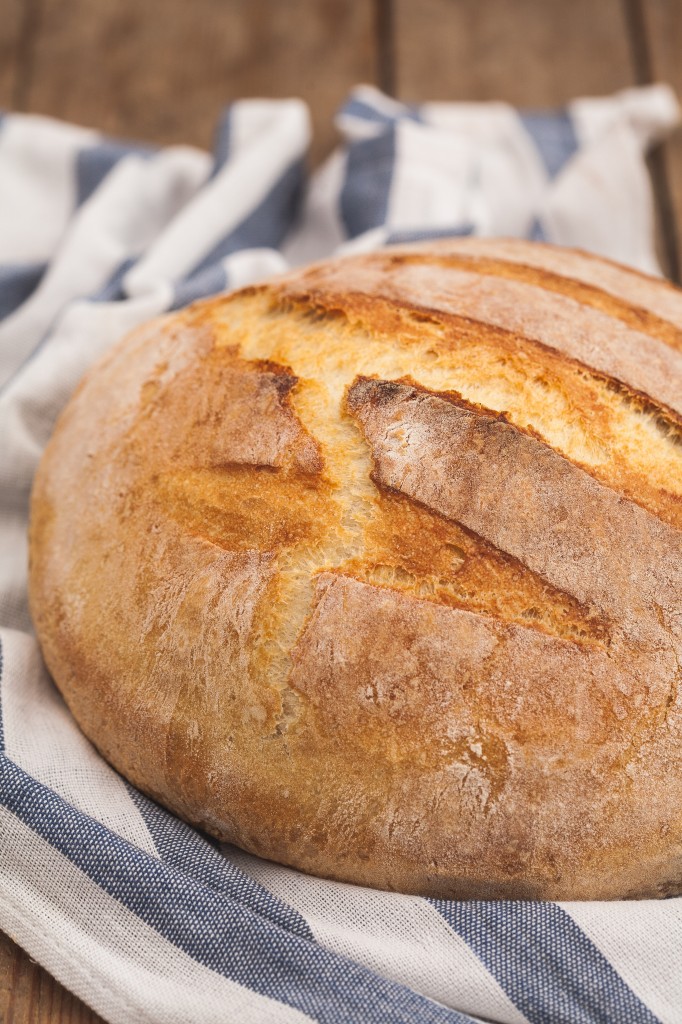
376, 569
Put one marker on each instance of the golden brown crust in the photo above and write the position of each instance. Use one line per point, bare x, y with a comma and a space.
520, 495
518, 304
376, 570
644, 293
588, 290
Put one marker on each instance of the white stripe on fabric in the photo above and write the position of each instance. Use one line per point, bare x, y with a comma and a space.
652, 111
402, 938
121, 219
498, 126
14, 560
93, 163
251, 265
32, 400
609, 177
367, 242
251, 120
264, 227
226, 199
105, 953
643, 938
433, 181
451, 177
321, 229
42, 738
37, 185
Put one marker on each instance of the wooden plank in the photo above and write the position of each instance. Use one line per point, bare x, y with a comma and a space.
659, 26
529, 53
28, 995
163, 74
13, 32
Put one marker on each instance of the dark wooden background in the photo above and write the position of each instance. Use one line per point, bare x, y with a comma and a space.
161, 70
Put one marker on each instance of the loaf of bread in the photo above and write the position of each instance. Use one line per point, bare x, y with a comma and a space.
376, 570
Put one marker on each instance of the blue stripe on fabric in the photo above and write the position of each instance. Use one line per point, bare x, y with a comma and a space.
93, 163
17, 282
222, 141
426, 234
537, 232
110, 291
366, 112
267, 224
366, 189
209, 281
553, 133
213, 928
2, 724
547, 966
182, 847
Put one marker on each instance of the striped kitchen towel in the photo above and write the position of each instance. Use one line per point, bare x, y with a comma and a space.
141, 916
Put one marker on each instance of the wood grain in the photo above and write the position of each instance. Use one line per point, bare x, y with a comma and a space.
659, 25
162, 72
29, 995
14, 31
534, 53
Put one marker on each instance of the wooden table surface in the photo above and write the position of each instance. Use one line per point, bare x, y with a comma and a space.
161, 70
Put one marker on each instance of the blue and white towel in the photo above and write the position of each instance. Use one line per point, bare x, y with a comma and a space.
139, 915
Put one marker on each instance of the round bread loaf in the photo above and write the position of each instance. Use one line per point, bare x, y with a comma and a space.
376, 570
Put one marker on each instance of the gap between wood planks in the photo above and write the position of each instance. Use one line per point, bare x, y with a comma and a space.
28, 33
642, 60
385, 48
